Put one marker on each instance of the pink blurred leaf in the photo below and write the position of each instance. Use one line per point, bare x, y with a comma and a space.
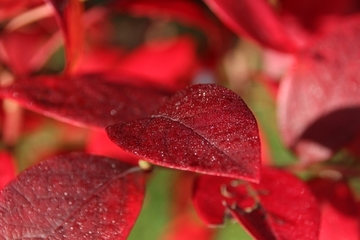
254, 19
10, 8
72, 196
69, 17
280, 207
310, 12
170, 63
319, 101
203, 128
85, 100
339, 215
7, 169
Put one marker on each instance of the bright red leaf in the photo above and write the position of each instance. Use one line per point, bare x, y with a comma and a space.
203, 128
339, 215
85, 100
7, 169
319, 101
72, 196
69, 17
170, 63
280, 207
254, 19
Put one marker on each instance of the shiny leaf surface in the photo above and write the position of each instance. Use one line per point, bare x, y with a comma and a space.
203, 128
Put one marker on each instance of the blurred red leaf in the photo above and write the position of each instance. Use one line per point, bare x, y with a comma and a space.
280, 207
318, 104
10, 8
100, 144
69, 17
339, 215
72, 196
254, 19
85, 100
26, 49
170, 63
7, 169
203, 128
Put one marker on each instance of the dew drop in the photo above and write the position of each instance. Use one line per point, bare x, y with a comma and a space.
113, 112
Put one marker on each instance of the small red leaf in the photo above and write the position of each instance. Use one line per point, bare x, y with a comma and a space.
203, 128
7, 169
72, 196
68, 14
269, 210
254, 19
85, 100
339, 215
319, 101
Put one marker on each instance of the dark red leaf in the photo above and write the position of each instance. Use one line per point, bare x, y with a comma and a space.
72, 196
7, 169
319, 101
254, 19
170, 63
339, 215
280, 207
68, 14
85, 100
203, 128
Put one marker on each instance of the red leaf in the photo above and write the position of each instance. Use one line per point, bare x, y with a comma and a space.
319, 99
7, 169
85, 100
269, 210
339, 215
254, 19
68, 14
72, 196
203, 128
170, 63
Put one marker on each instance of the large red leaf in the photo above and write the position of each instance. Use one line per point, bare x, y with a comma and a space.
319, 100
69, 14
339, 214
7, 169
254, 19
280, 207
85, 100
72, 196
203, 128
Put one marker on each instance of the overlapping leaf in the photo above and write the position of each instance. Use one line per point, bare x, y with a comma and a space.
7, 169
319, 100
85, 100
72, 196
339, 213
203, 128
69, 14
280, 207
254, 19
